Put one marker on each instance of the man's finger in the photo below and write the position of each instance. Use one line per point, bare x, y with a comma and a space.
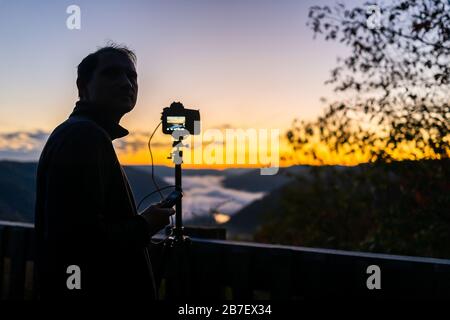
165, 211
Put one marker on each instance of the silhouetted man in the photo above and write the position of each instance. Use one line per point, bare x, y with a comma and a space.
85, 211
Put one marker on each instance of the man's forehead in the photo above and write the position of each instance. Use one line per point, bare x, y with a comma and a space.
108, 59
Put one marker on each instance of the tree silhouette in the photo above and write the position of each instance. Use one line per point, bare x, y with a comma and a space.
392, 103
393, 88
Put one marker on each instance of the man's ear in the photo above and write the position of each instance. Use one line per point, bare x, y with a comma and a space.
81, 89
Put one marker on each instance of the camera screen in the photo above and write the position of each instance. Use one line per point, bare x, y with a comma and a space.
175, 122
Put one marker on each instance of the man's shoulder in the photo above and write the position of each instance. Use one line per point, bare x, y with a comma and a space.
73, 137
80, 130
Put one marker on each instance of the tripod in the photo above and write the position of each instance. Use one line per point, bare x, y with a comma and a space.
176, 247
177, 237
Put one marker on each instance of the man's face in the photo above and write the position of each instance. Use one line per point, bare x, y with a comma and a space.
113, 83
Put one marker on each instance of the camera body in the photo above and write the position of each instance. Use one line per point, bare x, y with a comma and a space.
177, 117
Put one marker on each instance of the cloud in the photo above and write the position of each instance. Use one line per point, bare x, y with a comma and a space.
22, 145
28, 145
135, 141
204, 194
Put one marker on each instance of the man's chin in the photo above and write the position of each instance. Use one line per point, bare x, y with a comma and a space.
122, 108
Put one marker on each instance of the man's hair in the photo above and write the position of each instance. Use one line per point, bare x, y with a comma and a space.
87, 66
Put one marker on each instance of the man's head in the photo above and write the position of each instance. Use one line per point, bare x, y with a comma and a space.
108, 78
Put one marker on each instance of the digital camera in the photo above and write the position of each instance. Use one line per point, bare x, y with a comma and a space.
177, 117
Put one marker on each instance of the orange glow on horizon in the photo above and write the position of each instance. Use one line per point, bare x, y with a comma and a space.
288, 157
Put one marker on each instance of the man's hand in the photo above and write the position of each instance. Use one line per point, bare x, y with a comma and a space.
156, 217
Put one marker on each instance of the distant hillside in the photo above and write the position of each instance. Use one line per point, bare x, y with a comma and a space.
18, 194
164, 171
160, 171
17, 191
243, 179
253, 181
17, 184
245, 222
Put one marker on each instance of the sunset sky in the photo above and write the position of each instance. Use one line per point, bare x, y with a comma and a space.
244, 64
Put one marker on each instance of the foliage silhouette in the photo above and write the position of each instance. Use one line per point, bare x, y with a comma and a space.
392, 104
393, 86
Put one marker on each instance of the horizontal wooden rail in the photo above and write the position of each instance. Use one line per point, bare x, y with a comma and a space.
220, 270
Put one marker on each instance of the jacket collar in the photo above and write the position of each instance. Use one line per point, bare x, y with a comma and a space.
100, 117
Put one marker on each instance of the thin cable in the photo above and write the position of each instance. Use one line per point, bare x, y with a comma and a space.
148, 195
151, 156
158, 189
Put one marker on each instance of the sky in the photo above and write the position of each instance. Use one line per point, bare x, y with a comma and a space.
244, 64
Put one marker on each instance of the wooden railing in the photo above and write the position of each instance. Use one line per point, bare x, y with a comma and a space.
219, 270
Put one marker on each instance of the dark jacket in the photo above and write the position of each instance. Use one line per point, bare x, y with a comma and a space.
86, 215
